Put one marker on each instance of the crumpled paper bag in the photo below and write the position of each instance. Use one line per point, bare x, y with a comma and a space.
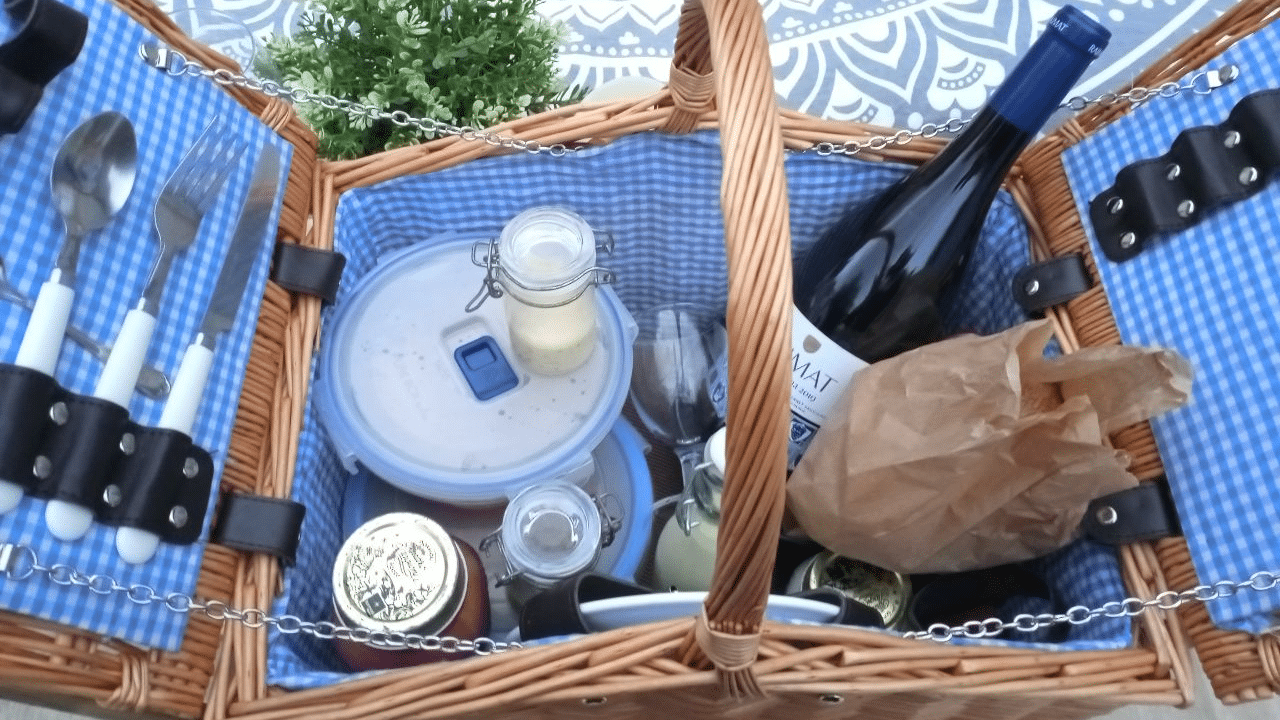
977, 451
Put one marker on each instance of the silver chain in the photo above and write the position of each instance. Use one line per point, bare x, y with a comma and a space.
20, 563
175, 63
1260, 581
1200, 83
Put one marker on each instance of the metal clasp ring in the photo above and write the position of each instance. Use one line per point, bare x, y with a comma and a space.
485, 255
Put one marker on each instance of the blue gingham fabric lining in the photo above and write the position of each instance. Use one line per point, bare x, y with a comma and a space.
1210, 293
168, 115
658, 195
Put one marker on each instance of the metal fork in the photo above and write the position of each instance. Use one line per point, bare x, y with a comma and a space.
186, 197
184, 200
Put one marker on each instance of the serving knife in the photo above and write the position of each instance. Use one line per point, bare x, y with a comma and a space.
136, 545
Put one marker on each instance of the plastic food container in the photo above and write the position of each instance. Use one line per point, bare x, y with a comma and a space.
433, 399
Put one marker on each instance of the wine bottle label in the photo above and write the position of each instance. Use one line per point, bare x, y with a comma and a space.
820, 371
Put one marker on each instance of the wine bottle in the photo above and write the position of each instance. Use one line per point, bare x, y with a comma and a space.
877, 283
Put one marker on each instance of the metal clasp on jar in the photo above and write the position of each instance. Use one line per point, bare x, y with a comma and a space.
610, 524
497, 279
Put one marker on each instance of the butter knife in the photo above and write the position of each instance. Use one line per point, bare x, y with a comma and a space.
136, 545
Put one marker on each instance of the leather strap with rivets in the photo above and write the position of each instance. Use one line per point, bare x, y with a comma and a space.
1205, 169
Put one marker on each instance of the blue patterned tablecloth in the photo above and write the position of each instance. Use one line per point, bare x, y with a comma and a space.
1209, 292
168, 114
899, 63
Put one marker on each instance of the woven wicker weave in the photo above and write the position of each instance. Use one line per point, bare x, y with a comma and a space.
798, 671
1240, 666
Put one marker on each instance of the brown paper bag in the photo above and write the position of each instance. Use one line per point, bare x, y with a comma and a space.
977, 451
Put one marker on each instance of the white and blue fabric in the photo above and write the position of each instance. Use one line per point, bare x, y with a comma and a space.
168, 115
658, 196
1210, 293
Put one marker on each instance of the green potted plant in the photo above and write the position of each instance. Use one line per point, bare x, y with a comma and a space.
464, 62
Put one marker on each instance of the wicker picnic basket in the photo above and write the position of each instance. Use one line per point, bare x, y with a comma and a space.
729, 661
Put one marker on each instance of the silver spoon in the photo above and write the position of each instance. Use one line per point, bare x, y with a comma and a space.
92, 176
152, 382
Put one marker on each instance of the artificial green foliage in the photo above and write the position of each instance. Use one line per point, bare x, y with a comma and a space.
464, 62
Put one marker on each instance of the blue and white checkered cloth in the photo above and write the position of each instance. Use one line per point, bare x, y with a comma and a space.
1209, 292
658, 196
168, 114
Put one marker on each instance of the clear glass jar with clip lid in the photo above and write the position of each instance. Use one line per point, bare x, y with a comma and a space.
543, 265
550, 532
685, 555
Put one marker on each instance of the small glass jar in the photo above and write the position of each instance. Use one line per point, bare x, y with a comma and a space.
403, 573
886, 592
548, 257
549, 532
685, 555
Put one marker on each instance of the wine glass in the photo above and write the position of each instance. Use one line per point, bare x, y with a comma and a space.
219, 31
679, 378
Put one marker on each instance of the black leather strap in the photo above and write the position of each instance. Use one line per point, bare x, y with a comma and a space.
80, 453
1145, 512
26, 401
254, 523
308, 270
161, 485
1205, 169
1040, 286
49, 38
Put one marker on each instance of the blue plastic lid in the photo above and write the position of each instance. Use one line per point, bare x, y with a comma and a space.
393, 396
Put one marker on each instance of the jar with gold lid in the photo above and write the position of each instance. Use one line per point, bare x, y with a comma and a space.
886, 592
403, 573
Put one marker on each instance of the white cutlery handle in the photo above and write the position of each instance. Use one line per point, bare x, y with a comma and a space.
187, 389
43, 337
67, 521
127, 355
10, 495
136, 546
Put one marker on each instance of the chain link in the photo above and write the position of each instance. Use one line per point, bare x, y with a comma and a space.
176, 64
18, 562
1261, 581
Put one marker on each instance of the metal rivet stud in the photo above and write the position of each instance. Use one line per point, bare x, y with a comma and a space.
595, 700
59, 413
1231, 139
43, 467
831, 699
178, 516
190, 468
1173, 172
1228, 73
1115, 205
1107, 515
1032, 287
1186, 208
1249, 176
1128, 240
128, 443
112, 496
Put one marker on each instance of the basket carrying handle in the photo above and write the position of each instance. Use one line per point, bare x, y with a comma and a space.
722, 44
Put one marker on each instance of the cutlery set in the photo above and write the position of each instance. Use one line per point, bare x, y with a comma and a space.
83, 453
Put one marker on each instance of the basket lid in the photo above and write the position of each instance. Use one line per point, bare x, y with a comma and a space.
396, 387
